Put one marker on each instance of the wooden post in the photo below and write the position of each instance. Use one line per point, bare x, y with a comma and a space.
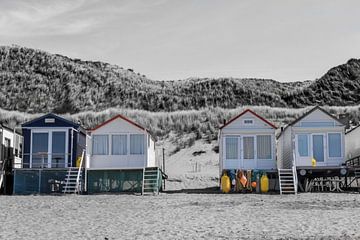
163, 150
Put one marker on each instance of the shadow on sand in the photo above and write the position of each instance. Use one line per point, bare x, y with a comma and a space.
209, 190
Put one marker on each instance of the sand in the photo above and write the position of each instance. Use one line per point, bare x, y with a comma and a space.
188, 170
181, 216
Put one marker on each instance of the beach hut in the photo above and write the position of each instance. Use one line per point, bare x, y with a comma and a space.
52, 146
121, 157
247, 142
312, 145
10, 156
317, 135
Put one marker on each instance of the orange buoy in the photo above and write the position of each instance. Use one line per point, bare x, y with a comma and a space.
253, 184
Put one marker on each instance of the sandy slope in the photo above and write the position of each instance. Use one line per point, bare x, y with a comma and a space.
181, 216
187, 171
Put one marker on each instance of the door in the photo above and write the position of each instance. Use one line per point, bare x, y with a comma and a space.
318, 148
58, 153
39, 151
302, 146
248, 150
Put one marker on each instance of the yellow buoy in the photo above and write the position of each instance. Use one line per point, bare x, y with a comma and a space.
225, 183
264, 183
78, 161
313, 162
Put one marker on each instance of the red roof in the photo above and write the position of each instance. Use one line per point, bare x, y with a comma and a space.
253, 113
116, 117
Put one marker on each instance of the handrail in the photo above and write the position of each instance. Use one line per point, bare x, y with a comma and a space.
79, 172
57, 160
355, 161
295, 174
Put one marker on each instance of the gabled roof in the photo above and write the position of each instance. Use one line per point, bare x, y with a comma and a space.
50, 115
307, 114
253, 113
313, 110
123, 118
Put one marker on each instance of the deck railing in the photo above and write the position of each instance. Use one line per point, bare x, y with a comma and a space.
353, 162
41, 160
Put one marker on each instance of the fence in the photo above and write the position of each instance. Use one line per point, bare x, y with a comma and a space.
39, 181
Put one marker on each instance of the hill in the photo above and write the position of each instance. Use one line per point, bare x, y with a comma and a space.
36, 81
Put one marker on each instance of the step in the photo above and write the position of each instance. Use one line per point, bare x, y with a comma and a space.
287, 184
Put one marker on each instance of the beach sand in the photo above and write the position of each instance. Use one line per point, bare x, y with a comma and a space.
181, 216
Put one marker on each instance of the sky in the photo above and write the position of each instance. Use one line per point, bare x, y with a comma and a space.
177, 39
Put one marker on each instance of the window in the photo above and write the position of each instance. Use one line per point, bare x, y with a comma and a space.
40, 143
303, 145
58, 149
263, 143
248, 144
119, 144
100, 145
137, 144
334, 142
231, 144
248, 121
317, 124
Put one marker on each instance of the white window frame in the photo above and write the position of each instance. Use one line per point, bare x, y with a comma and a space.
309, 143
271, 147
341, 145
127, 143
108, 147
145, 144
238, 147
49, 151
243, 149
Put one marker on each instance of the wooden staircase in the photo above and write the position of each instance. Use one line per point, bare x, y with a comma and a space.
72, 183
287, 181
150, 184
74, 178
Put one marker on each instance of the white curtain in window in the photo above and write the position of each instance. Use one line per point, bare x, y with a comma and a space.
303, 145
334, 140
248, 145
231, 147
137, 145
100, 144
119, 145
263, 143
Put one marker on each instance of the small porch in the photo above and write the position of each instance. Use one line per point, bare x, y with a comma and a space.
328, 178
45, 180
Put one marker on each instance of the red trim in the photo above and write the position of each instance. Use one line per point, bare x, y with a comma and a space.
252, 112
116, 117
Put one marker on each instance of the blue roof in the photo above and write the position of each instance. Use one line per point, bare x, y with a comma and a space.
50, 120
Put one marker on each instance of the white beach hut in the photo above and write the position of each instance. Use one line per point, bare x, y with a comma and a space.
247, 142
121, 157
315, 135
120, 143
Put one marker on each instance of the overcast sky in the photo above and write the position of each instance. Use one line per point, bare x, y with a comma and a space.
175, 39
